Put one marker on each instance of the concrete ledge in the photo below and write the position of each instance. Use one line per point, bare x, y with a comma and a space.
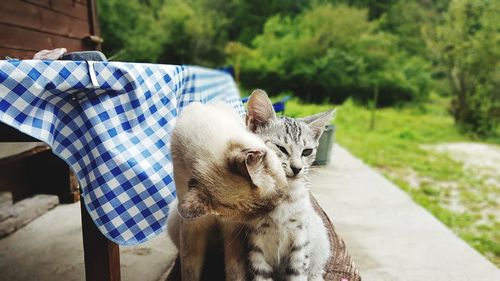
51, 248
12, 148
15, 216
389, 236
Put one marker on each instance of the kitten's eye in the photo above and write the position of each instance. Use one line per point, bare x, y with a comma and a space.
307, 152
282, 149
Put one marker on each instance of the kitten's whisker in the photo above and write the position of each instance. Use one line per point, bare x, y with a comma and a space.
238, 230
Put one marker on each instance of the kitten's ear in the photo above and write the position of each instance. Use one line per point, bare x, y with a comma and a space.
317, 122
193, 205
250, 164
255, 166
259, 110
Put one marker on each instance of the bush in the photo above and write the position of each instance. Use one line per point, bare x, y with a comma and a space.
330, 53
466, 47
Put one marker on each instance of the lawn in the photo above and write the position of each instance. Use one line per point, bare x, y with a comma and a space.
400, 148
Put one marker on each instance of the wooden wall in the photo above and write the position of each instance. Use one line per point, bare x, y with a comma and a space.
27, 26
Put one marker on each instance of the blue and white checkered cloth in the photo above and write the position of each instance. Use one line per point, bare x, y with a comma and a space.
111, 122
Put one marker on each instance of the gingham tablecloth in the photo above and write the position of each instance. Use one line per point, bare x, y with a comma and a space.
111, 122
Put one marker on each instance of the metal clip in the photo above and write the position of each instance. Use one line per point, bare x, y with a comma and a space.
93, 77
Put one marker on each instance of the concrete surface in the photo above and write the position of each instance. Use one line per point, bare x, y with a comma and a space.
12, 148
50, 248
389, 236
15, 216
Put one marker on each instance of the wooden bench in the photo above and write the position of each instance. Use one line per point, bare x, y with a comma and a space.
39, 171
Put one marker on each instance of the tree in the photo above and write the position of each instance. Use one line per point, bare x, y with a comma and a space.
249, 16
132, 30
376, 8
329, 53
174, 31
195, 32
466, 45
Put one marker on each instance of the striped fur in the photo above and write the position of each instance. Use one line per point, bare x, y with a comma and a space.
224, 176
291, 242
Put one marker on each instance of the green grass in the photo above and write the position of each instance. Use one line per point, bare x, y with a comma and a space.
397, 148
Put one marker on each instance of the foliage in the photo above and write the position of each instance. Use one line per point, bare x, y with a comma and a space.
405, 19
399, 148
326, 50
249, 16
132, 29
329, 53
376, 8
184, 32
195, 32
466, 46
152, 31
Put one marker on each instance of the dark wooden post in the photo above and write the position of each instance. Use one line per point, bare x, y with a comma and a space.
102, 257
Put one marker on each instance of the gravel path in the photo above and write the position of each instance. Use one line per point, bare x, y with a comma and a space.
483, 159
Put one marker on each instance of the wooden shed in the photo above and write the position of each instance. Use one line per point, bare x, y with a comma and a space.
27, 26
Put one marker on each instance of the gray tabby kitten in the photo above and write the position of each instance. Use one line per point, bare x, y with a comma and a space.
291, 242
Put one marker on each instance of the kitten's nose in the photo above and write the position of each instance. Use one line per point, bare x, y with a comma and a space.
295, 170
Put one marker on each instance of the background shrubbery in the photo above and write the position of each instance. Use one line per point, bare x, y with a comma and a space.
327, 51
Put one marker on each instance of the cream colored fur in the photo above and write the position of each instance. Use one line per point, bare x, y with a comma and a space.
224, 176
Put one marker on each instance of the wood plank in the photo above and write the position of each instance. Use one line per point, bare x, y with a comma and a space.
9, 134
44, 3
18, 38
14, 53
94, 21
22, 14
102, 257
75, 28
17, 157
93, 18
54, 178
70, 8
14, 180
73, 8
74, 187
22, 175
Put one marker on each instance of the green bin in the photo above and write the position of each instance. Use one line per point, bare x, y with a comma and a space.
325, 146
